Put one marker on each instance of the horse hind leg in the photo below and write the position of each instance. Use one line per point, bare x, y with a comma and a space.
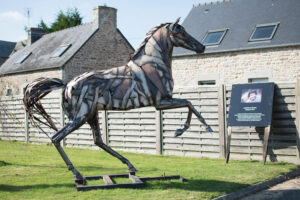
99, 142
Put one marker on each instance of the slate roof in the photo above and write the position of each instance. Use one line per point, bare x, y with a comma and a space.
241, 17
6, 48
43, 49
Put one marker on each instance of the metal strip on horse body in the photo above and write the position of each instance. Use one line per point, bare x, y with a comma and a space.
74, 82
153, 42
127, 94
141, 76
150, 59
68, 91
152, 49
94, 104
82, 95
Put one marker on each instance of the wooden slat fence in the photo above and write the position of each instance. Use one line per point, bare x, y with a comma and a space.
51, 103
196, 141
12, 119
146, 130
132, 130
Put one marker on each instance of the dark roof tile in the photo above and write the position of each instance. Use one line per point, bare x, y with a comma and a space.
6, 48
43, 49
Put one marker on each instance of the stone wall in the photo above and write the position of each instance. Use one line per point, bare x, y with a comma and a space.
17, 82
105, 49
276, 64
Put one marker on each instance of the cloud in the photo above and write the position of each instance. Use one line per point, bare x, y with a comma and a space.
12, 16
20, 37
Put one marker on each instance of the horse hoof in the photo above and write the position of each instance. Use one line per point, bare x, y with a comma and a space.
178, 132
80, 181
132, 169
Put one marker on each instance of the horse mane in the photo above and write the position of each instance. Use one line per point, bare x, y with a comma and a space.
148, 36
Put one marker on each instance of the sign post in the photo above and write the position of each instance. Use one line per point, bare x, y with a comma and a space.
251, 105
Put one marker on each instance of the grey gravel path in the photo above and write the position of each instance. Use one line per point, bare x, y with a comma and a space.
288, 190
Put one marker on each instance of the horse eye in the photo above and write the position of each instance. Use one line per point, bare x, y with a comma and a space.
178, 28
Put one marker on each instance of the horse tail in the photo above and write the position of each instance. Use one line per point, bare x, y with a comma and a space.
33, 93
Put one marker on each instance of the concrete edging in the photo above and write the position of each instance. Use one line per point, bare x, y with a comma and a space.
259, 186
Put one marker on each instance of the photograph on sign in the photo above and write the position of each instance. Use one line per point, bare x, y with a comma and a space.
251, 96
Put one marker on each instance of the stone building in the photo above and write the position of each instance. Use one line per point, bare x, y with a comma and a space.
67, 53
6, 49
246, 41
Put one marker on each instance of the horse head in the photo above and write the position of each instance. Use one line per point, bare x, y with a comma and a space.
180, 38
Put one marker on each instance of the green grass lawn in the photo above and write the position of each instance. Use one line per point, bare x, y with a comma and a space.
37, 172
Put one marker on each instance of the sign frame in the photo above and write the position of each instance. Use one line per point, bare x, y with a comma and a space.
251, 105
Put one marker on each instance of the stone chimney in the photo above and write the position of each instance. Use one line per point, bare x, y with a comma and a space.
105, 18
34, 34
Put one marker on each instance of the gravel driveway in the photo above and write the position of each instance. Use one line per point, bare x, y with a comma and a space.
288, 190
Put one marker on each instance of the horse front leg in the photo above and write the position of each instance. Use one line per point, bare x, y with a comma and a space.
94, 123
186, 125
56, 139
180, 103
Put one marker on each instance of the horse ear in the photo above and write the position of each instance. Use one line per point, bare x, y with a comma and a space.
177, 20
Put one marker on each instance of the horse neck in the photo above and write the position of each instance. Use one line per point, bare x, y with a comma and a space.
157, 51
154, 61
162, 39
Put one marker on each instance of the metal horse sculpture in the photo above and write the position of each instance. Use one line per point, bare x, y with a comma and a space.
146, 80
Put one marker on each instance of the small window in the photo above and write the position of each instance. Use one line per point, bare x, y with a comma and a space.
214, 37
23, 58
61, 50
258, 80
209, 82
263, 32
9, 92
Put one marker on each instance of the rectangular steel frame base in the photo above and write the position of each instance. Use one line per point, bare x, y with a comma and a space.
136, 181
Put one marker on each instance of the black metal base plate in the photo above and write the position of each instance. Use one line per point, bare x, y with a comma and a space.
136, 181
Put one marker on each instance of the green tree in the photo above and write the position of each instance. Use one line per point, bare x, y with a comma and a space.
63, 20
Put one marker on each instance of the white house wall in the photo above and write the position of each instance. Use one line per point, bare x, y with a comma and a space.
276, 64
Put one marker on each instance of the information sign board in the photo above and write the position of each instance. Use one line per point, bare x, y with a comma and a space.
251, 104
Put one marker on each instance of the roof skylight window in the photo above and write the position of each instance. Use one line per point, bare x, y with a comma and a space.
23, 58
263, 32
214, 37
61, 50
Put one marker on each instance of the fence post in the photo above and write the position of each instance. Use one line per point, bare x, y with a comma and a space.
297, 99
221, 117
26, 126
158, 125
62, 117
104, 123
25, 121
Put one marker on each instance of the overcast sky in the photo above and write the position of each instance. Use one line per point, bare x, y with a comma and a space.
134, 17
